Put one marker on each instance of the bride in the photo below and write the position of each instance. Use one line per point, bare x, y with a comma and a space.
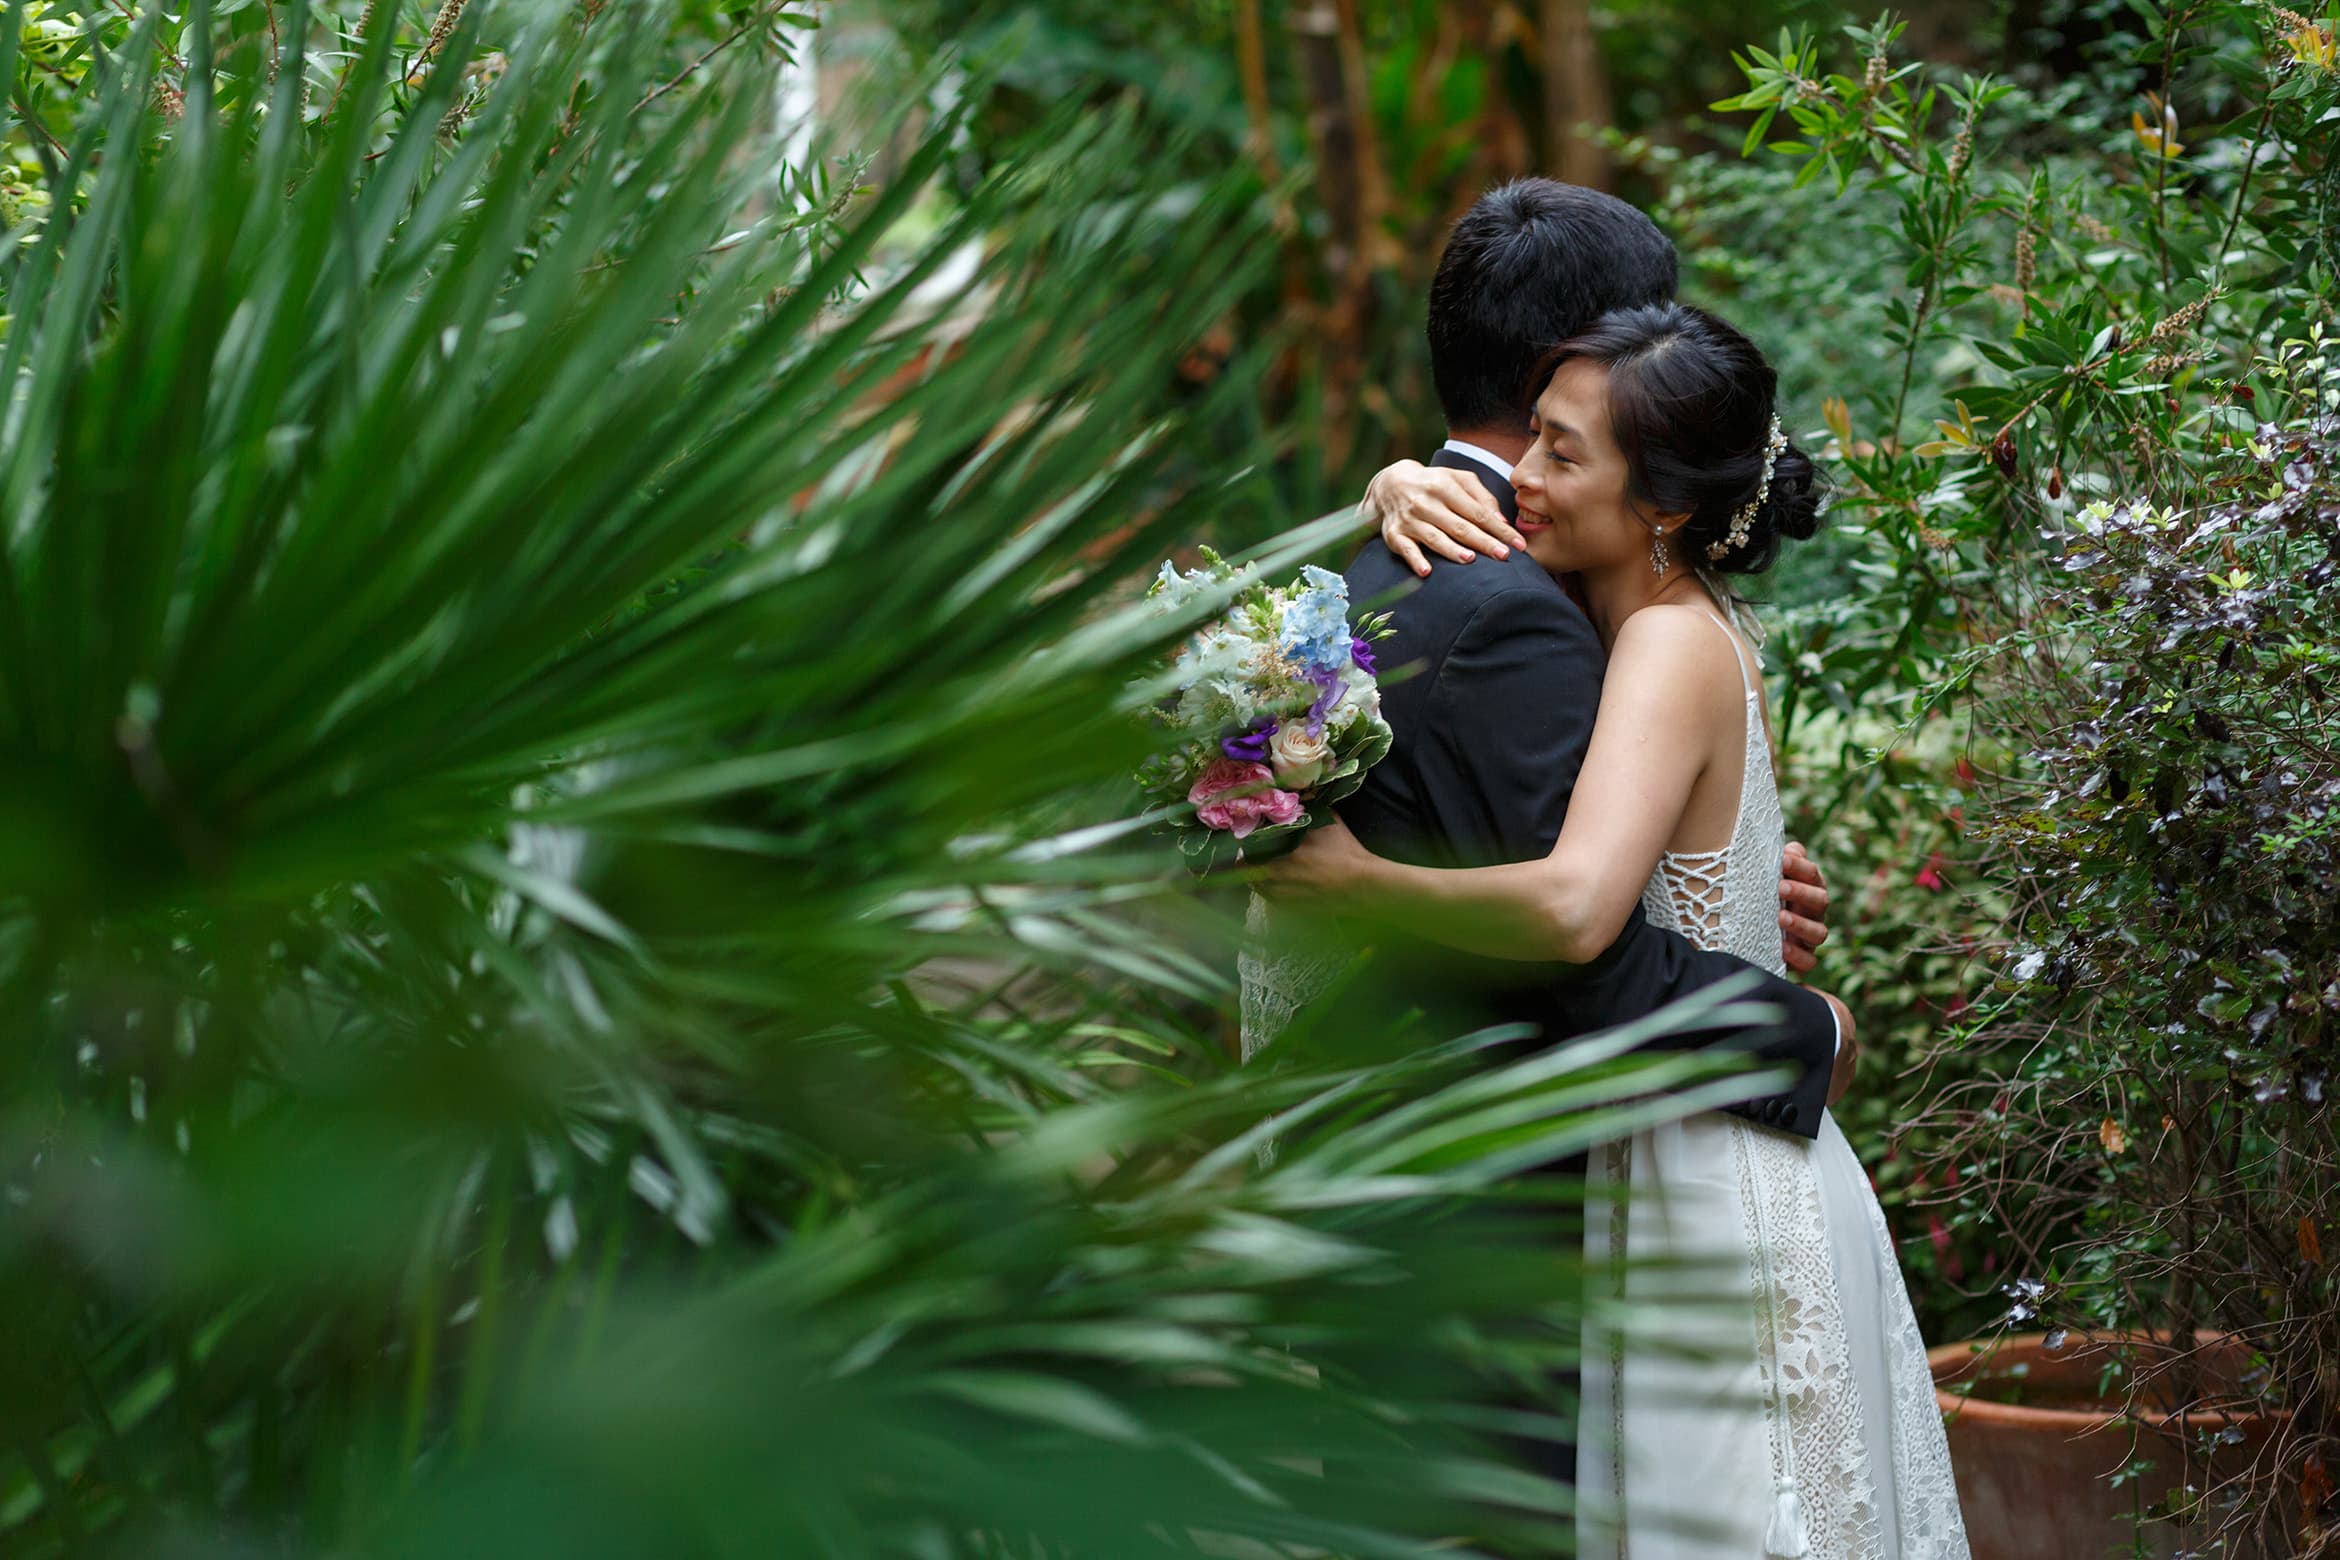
1800, 1422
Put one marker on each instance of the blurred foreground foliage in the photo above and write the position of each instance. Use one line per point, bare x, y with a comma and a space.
561, 985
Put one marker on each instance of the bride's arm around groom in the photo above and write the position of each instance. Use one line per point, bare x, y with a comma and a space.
1492, 733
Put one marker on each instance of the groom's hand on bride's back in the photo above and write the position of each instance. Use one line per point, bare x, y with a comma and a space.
1803, 910
1803, 927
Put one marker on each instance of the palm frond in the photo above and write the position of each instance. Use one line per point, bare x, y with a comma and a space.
573, 981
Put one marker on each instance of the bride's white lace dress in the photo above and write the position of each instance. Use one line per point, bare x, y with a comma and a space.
1758, 1386
1755, 1385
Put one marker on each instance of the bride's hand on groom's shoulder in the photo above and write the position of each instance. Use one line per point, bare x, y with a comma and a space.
1803, 909
1449, 512
1328, 860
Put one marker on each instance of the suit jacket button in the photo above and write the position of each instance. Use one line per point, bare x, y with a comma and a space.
1787, 1116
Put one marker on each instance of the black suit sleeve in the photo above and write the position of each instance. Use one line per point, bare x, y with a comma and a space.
1512, 752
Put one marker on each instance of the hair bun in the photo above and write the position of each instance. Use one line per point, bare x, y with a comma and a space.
1798, 494
1794, 494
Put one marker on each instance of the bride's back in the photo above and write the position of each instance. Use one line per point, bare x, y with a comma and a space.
1717, 881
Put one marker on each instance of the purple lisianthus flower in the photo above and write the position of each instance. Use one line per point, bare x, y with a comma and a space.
1330, 688
1250, 747
1362, 653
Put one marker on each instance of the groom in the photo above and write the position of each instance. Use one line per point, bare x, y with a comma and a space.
1494, 722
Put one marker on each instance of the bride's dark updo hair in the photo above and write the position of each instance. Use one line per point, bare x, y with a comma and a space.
1690, 406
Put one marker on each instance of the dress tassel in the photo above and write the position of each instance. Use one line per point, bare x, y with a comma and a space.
1785, 1538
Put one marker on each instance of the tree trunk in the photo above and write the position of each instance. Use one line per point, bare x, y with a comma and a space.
1576, 93
1486, 30
1355, 198
1251, 66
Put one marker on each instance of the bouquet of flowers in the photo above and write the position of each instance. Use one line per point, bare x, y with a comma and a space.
1276, 708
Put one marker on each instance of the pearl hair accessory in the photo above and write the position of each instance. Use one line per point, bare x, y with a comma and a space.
1744, 520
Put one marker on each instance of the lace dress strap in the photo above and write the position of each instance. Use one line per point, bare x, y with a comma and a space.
1738, 653
1687, 892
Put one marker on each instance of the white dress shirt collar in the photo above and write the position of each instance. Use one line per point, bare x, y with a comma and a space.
1484, 456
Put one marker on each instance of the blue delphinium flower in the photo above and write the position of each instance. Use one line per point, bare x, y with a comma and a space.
1316, 624
1172, 589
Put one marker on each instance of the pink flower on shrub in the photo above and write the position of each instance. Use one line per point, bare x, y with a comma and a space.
1944, 1253
1930, 876
1220, 801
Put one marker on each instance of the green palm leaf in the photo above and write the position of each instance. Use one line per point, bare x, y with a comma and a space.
573, 980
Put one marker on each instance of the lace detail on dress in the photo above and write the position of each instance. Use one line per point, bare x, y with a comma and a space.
1276, 982
1811, 1404
1618, 1157
1926, 1487
1806, 1361
1688, 893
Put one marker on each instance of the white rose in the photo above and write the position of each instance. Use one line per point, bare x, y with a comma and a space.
1298, 756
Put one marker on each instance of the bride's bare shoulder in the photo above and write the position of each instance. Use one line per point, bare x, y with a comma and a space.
1677, 631
1680, 652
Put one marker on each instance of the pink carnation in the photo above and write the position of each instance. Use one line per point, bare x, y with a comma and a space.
1237, 813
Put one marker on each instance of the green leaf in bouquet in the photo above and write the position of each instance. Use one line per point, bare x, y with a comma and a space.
1266, 843
1215, 850
1375, 747
1349, 774
1339, 786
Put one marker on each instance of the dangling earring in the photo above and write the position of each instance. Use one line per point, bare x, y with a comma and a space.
1659, 558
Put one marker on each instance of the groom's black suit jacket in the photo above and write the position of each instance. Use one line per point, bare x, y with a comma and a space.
1491, 729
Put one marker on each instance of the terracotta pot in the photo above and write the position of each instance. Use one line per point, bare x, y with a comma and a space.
2035, 1448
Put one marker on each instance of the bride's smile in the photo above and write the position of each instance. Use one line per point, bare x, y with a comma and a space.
1583, 514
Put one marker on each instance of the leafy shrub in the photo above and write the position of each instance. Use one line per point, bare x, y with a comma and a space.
2105, 571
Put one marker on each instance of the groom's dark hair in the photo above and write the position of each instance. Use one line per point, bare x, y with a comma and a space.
1528, 266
